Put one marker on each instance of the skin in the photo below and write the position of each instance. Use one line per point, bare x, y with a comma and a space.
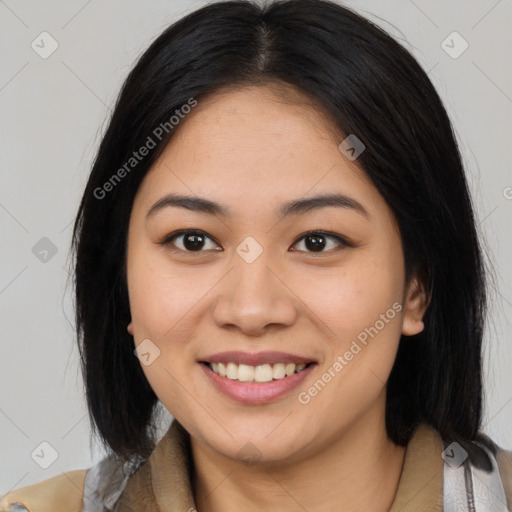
251, 150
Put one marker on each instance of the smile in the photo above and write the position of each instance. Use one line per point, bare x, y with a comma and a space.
260, 373
256, 378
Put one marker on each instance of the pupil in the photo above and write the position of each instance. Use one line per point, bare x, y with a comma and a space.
316, 243
197, 243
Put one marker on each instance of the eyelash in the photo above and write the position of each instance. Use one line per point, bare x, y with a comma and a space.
344, 243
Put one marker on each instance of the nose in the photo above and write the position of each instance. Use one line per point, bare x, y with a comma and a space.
253, 297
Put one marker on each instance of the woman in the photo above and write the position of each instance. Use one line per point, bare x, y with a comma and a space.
277, 245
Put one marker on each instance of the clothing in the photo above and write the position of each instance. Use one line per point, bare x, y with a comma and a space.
162, 482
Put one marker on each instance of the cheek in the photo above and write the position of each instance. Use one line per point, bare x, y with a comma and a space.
163, 305
350, 299
163, 297
362, 309
164, 308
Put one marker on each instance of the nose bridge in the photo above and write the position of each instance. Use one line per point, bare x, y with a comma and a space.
252, 296
252, 287
252, 274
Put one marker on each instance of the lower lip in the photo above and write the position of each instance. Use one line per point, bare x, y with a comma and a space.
256, 392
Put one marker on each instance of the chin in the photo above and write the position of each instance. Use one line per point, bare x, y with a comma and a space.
258, 445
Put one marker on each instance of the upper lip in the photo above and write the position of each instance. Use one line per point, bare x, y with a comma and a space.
255, 359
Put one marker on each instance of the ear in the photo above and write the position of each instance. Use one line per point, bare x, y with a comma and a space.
415, 305
130, 328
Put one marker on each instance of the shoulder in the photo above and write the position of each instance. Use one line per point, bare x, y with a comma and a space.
100, 484
504, 459
61, 492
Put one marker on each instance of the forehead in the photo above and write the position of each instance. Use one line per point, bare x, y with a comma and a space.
276, 116
253, 147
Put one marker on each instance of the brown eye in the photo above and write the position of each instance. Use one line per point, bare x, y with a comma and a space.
196, 241
191, 241
317, 241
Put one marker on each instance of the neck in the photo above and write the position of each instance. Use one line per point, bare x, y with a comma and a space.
360, 469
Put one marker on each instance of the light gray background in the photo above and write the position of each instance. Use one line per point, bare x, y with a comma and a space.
53, 112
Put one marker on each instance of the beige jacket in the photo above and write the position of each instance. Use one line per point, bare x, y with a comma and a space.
162, 483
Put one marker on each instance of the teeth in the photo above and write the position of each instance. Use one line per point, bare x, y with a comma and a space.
278, 371
232, 371
289, 369
245, 373
261, 373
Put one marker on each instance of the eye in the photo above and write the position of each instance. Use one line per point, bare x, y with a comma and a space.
193, 240
316, 241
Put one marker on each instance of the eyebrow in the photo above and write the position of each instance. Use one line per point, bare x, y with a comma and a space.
295, 207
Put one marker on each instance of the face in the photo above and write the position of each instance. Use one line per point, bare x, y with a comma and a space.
303, 306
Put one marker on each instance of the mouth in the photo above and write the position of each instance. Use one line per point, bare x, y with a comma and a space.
261, 373
256, 378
